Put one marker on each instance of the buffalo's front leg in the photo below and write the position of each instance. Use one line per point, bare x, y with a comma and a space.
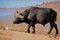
28, 30
33, 29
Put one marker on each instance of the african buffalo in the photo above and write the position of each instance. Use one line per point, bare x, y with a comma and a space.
39, 15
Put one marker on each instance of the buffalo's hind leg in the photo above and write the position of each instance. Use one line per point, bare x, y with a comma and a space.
53, 24
51, 27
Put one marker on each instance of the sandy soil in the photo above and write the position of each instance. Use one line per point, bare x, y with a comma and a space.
19, 32
15, 35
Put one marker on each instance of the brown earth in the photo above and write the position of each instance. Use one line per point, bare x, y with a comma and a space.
19, 31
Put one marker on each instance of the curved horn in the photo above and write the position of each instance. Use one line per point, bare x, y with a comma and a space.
17, 12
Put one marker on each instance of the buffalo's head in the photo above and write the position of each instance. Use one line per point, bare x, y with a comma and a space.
19, 19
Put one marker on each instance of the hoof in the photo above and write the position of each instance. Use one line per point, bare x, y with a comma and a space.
33, 32
48, 32
28, 31
56, 35
53, 36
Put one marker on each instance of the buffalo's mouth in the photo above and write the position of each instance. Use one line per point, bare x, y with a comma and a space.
15, 22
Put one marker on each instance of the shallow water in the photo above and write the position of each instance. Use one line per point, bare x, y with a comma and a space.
6, 15
7, 12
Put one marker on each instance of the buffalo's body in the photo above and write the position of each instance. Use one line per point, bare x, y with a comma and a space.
40, 15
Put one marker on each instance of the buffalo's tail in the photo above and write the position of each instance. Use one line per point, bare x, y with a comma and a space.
54, 15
